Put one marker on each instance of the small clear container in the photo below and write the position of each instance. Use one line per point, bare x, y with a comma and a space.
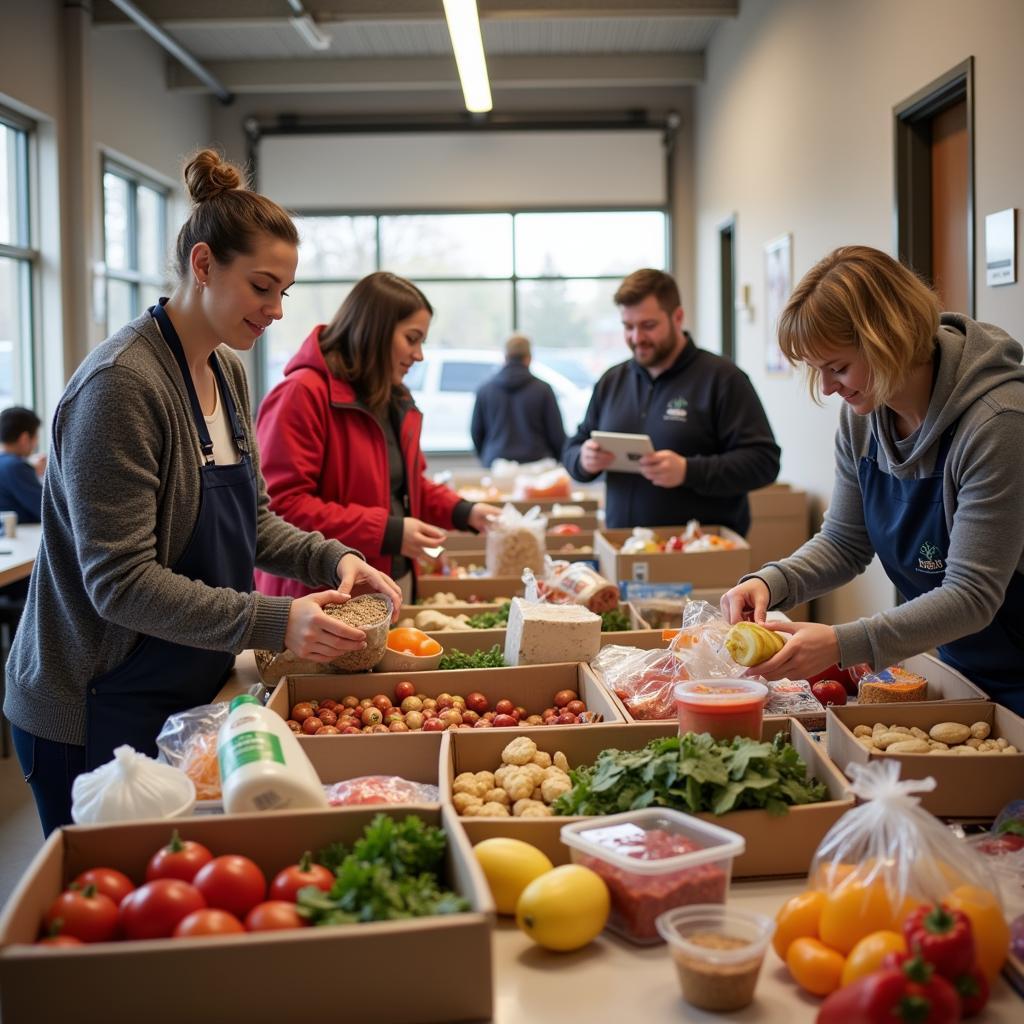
718, 952
722, 707
653, 860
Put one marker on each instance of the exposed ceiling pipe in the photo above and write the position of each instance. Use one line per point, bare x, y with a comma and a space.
176, 50
309, 31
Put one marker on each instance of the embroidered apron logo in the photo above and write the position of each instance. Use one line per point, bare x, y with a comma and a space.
676, 410
929, 560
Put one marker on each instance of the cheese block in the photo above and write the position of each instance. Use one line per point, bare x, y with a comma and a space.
540, 634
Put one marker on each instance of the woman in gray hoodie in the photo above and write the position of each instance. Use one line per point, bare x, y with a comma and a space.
927, 478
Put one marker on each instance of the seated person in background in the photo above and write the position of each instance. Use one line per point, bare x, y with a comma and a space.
516, 415
21, 489
712, 440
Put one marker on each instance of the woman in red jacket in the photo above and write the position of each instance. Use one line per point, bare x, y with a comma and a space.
340, 436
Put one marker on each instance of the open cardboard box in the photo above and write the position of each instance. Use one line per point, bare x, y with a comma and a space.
776, 846
486, 588
250, 977
700, 568
972, 786
459, 543
482, 639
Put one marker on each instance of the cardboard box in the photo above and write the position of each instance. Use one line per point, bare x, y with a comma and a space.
487, 588
532, 686
459, 543
482, 639
780, 521
975, 786
701, 568
246, 977
454, 609
775, 846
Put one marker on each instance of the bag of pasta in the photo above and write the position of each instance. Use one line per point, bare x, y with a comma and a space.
516, 542
888, 856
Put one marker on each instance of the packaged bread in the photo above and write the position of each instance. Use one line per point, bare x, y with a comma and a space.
892, 685
577, 583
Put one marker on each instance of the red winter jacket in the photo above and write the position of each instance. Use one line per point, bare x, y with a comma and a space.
325, 460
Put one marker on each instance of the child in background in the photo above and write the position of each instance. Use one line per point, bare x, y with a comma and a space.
21, 488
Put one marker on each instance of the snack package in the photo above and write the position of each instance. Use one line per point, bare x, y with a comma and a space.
641, 541
576, 583
894, 684
516, 542
888, 854
553, 484
380, 789
791, 697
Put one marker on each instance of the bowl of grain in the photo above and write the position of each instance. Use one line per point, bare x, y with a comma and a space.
369, 612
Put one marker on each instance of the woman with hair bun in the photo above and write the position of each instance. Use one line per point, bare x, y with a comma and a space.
340, 436
155, 513
927, 478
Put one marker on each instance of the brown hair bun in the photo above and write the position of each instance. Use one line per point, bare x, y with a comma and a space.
207, 175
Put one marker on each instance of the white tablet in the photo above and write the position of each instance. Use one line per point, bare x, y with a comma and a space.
628, 449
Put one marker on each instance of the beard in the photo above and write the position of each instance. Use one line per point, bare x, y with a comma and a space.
653, 353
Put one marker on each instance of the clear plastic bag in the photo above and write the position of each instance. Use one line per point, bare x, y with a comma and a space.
890, 848
642, 680
188, 740
572, 583
380, 789
515, 541
791, 697
555, 483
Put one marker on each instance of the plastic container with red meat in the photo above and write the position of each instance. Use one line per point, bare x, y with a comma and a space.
654, 860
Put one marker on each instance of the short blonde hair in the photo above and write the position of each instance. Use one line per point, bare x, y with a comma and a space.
862, 297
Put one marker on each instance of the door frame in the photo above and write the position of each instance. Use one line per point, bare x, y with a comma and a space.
912, 157
728, 300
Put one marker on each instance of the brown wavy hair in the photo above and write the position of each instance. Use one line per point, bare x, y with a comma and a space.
226, 215
862, 297
641, 283
357, 342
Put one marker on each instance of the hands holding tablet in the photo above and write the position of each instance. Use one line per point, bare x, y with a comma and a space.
632, 453
665, 468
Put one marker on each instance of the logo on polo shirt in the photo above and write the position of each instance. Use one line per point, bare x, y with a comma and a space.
676, 410
929, 558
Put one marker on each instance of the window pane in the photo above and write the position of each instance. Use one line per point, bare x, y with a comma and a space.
305, 306
122, 305
14, 340
447, 245
588, 244
151, 232
464, 376
470, 314
13, 205
574, 326
115, 221
336, 246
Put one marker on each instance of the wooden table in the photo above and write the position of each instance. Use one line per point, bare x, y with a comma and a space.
17, 556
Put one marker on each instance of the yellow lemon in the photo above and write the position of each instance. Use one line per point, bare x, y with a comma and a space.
509, 865
565, 908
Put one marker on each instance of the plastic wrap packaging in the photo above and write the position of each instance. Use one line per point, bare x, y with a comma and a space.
791, 697
380, 789
892, 685
516, 542
576, 583
888, 853
555, 483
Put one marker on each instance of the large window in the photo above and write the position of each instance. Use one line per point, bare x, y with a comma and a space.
134, 243
549, 275
17, 263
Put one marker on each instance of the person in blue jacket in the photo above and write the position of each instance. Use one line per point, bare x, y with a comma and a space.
21, 489
712, 440
516, 414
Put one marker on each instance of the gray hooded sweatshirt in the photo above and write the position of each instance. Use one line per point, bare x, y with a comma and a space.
979, 384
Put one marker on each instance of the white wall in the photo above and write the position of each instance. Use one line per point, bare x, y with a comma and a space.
795, 133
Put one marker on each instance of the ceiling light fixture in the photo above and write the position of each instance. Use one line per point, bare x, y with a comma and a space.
312, 35
464, 28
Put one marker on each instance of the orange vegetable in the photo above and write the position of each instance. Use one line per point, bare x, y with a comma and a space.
866, 957
815, 967
853, 910
991, 932
406, 639
797, 919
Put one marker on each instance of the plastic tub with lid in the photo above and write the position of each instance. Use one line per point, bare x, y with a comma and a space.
722, 707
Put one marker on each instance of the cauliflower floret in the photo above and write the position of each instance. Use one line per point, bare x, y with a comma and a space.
552, 788
520, 751
543, 758
536, 810
463, 801
492, 810
518, 785
485, 777
503, 773
522, 805
498, 796
561, 761
467, 783
533, 772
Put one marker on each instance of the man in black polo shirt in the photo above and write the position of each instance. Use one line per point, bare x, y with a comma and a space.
711, 437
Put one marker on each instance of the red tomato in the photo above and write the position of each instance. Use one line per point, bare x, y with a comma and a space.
274, 915
288, 881
208, 921
829, 691
404, 689
155, 909
83, 914
178, 859
110, 882
232, 883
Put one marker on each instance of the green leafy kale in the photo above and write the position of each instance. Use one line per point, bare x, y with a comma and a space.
490, 620
693, 773
391, 873
492, 658
615, 621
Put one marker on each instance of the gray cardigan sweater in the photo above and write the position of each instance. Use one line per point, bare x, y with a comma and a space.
120, 501
979, 384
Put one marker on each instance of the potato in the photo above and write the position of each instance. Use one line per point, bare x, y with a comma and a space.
910, 746
981, 730
886, 739
862, 730
950, 732
972, 742
918, 733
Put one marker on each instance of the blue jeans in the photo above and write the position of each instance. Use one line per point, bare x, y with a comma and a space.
49, 768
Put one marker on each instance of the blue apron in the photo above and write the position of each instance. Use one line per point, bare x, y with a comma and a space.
906, 522
130, 703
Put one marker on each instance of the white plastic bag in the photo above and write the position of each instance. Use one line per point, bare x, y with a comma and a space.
516, 542
129, 787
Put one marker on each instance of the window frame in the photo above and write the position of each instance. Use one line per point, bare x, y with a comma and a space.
132, 275
25, 254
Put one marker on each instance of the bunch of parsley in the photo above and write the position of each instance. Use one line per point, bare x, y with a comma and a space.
391, 873
693, 773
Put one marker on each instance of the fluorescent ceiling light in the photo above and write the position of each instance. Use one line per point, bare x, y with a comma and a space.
464, 28
314, 37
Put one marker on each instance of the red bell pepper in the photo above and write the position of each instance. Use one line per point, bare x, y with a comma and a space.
943, 937
912, 992
972, 988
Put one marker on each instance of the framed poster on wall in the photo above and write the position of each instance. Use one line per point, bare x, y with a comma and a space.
778, 283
